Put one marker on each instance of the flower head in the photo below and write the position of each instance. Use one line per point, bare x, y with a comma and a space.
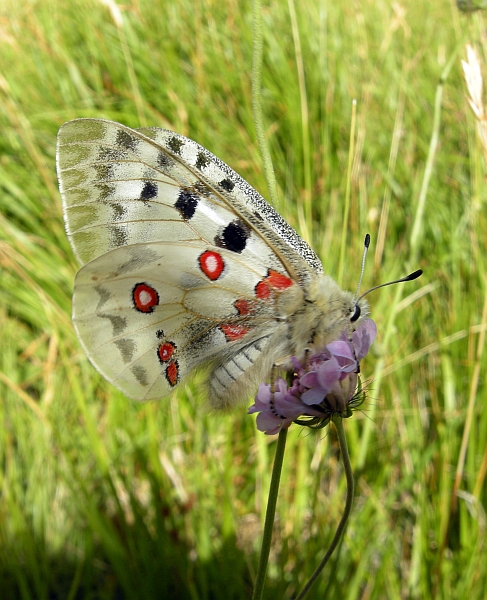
324, 387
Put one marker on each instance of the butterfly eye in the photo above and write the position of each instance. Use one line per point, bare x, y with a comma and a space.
356, 314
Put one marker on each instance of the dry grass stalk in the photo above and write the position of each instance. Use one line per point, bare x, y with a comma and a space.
473, 78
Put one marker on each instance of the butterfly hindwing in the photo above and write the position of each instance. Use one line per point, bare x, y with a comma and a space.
150, 313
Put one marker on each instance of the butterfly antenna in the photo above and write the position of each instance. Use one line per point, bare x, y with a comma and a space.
409, 277
364, 256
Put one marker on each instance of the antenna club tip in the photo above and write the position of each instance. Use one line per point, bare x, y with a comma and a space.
415, 275
367, 240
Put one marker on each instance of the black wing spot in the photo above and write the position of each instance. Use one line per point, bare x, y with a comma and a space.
175, 144
186, 204
164, 162
234, 237
118, 236
227, 185
140, 374
118, 211
105, 190
160, 334
110, 154
126, 347
148, 191
125, 140
202, 160
119, 324
104, 172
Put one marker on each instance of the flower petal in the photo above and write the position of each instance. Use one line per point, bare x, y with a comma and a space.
324, 384
289, 407
309, 379
328, 373
266, 421
262, 399
364, 337
314, 395
341, 348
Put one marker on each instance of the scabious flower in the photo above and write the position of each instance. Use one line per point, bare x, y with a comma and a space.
325, 386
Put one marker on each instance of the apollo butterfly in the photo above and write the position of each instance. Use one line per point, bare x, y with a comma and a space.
184, 265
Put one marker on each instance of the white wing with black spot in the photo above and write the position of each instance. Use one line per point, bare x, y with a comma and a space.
122, 186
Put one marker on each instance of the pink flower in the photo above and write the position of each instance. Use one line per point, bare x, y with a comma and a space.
325, 387
279, 412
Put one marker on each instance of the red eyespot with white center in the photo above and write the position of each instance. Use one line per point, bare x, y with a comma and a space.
273, 282
144, 297
212, 265
165, 351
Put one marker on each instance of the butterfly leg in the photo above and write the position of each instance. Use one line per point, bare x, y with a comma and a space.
350, 331
272, 405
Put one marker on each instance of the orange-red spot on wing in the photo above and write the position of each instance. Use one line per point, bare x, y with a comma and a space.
263, 290
172, 373
278, 281
234, 332
165, 351
244, 306
212, 265
273, 281
144, 297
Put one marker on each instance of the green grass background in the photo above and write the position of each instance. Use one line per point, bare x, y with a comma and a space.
101, 497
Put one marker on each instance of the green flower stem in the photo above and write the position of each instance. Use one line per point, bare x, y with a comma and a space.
338, 422
258, 35
269, 516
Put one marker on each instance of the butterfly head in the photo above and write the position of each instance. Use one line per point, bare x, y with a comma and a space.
329, 311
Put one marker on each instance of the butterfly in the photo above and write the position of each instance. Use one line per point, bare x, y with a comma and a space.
185, 265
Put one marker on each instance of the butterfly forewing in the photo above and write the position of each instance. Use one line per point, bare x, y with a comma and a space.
244, 200
120, 187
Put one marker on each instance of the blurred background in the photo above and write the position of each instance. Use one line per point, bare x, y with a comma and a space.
101, 497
